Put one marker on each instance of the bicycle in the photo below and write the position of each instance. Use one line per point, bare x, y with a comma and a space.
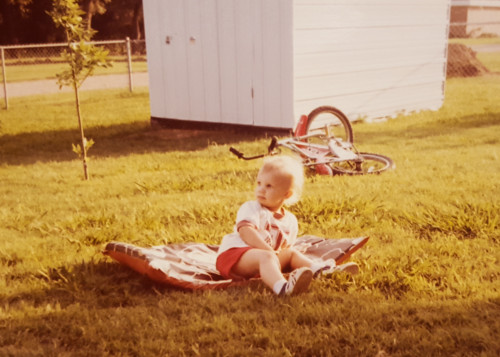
324, 141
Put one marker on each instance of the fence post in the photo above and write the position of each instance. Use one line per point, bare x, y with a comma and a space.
4, 76
129, 61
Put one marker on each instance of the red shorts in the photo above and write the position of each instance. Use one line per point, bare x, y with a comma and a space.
228, 259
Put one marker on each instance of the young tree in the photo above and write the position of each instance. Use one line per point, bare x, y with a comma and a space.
82, 56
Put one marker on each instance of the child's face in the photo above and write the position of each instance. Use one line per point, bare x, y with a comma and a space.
272, 190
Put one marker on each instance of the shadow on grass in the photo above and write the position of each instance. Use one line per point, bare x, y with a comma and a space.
90, 285
141, 138
100, 301
112, 141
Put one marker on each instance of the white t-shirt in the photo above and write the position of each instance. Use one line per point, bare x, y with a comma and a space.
276, 229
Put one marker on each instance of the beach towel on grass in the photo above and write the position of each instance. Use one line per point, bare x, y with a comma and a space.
192, 265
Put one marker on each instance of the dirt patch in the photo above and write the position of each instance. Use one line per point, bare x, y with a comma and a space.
462, 62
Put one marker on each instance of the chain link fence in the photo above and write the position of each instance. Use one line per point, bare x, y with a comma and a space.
473, 50
32, 69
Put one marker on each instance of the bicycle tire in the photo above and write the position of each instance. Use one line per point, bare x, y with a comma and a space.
338, 124
371, 164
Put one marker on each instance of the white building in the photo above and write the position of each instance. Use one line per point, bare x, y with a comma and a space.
475, 18
263, 63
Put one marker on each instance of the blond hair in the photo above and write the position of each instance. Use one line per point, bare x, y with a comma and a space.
292, 169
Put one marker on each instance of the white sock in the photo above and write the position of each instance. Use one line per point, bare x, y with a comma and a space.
278, 286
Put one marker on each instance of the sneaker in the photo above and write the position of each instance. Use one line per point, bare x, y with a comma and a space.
327, 268
350, 268
298, 282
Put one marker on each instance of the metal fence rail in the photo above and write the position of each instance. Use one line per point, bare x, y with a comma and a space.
32, 69
36, 65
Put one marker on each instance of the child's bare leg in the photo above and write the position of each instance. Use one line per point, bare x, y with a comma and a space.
260, 261
294, 259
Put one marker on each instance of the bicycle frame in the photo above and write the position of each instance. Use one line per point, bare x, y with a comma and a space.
333, 153
316, 154
312, 154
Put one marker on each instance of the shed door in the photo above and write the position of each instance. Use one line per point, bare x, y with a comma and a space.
207, 60
221, 61
236, 57
187, 73
256, 62
173, 55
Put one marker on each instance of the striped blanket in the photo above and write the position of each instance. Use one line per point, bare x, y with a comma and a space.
192, 265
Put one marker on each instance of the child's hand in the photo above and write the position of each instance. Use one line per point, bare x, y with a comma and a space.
284, 245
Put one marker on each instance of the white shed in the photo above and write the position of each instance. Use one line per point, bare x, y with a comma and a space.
263, 63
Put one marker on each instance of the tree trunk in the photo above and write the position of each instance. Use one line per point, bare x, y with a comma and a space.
138, 15
80, 123
89, 7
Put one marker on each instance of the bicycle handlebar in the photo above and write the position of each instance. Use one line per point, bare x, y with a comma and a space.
240, 155
271, 147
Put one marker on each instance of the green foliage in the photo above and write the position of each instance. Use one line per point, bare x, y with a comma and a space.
26, 21
82, 56
430, 273
77, 149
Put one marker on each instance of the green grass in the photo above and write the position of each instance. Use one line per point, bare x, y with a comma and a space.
30, 72
490, 60
430, 276
476, 40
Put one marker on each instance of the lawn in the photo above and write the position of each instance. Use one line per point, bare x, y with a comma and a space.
476, 40
29, 72
491, 61
430, 274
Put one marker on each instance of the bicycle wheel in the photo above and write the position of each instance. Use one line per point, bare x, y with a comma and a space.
367, 164
329, 119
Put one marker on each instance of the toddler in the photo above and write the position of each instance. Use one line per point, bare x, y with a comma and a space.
261, 244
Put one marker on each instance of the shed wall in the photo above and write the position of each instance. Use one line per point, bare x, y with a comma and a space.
369, 58
266, 62
221, 61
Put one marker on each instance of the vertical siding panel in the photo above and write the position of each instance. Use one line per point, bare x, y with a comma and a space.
244, 60
227, 61
210, 60
258, 79
156, 41
195, 60
174, 56
272, 62
286, 65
